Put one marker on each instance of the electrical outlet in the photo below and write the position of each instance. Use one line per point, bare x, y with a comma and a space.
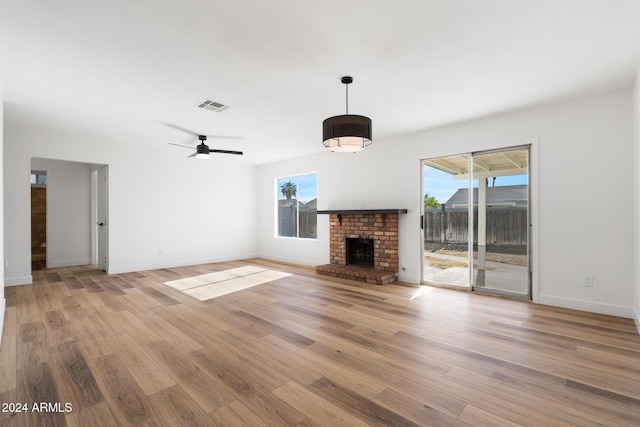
587, 280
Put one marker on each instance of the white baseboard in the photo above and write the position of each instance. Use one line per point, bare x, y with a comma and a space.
15, 281
593, 307
68, 263
295, 261
171, 264
637, 320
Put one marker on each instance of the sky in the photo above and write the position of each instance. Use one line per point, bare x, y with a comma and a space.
442, 185
307, 186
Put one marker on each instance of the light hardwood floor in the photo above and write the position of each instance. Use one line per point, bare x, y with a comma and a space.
306, 350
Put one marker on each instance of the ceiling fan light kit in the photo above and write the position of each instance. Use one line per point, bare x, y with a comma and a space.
202, 150
348, 133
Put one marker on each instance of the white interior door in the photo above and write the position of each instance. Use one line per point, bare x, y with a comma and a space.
103, 218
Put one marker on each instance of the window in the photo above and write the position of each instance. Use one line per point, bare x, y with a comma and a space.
297, 198
38, 178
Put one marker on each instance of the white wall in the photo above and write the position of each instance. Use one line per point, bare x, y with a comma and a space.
582, 201
165, 210
68, 211
636, 180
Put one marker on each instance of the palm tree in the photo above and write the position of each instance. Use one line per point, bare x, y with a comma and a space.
430, 202
288, 190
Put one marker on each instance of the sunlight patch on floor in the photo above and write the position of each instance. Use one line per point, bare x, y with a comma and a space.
212, 285
422, 290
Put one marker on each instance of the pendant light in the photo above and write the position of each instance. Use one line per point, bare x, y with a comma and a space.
348, 133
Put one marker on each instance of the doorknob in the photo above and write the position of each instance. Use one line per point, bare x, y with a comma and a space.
101, 224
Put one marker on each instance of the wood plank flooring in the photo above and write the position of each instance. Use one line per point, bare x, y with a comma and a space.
305, 350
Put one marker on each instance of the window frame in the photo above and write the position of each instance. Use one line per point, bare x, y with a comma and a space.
298, 204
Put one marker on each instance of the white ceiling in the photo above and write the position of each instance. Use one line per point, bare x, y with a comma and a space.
123, 70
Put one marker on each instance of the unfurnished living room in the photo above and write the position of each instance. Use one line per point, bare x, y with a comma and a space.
358, 213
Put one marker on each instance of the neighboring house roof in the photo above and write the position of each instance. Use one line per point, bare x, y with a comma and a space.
287, 203
508, 195
311, 204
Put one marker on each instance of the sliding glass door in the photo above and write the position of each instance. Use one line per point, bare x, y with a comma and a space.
446, 221
501, 215
478, 238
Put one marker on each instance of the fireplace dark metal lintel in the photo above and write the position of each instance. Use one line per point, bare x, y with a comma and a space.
363, 211
341, 212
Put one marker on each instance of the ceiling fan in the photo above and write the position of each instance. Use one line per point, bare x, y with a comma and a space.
203, 150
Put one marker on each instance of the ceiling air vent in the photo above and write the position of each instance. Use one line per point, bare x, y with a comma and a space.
208, 104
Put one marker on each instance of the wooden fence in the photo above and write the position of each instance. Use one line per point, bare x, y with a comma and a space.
287, 222
505, 225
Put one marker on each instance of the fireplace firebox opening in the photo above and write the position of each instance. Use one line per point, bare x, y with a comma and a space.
360, 252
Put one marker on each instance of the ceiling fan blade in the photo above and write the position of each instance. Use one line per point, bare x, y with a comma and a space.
199, 134
193, 155
180, 145
180, 129
224, 137
226, 152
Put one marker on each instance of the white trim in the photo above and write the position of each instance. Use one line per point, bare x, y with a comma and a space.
534, 210
470, 221
420, 211
276, 224
94, 216
103, 241
183, 263
16, 281
69, 263
637, 320
532, 145
3, 306
294, 261
590, 306
47, 214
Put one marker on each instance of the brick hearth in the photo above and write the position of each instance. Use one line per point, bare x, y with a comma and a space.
382, 228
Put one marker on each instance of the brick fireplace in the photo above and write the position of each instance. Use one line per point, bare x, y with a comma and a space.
375, 233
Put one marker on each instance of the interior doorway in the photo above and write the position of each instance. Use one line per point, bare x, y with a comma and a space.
475, 227
67, 204
38, 220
